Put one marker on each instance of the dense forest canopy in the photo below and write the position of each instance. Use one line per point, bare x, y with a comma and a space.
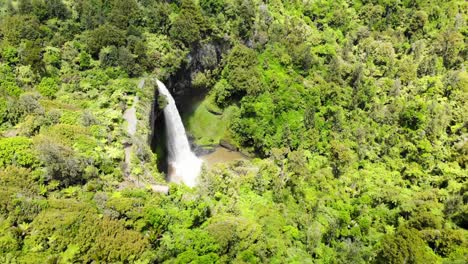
355, 112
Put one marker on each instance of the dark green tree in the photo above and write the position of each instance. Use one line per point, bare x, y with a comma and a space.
189, 24
405, 246
105, 35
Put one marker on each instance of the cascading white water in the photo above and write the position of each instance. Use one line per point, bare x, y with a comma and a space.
184, 166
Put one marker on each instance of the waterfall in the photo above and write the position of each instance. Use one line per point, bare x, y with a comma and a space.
184, 166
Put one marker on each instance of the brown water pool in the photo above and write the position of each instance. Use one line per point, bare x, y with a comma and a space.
221, 155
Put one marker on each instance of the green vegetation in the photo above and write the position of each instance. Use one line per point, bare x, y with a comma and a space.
355, 110
209, 124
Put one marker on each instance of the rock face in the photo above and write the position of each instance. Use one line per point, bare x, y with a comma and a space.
203, 57
132, 125
131, 119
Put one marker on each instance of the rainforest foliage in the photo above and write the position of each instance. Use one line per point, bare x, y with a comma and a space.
356, 112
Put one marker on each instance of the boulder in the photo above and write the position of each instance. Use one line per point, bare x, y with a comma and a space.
225, 144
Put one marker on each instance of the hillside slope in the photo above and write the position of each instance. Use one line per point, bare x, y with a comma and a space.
354, 110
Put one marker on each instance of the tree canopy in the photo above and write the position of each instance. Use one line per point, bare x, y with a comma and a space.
351, 116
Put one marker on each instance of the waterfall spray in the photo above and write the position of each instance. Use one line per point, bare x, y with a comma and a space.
184, 166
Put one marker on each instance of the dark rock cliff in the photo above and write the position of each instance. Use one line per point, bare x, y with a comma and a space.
203, 57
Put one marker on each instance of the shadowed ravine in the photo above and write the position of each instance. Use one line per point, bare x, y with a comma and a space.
183, 165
